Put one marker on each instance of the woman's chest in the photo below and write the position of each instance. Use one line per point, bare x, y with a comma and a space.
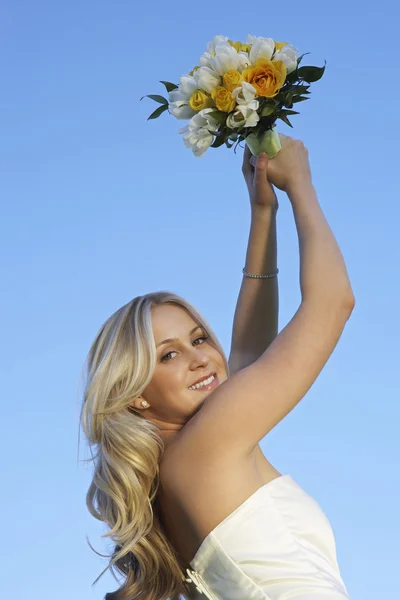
191, 505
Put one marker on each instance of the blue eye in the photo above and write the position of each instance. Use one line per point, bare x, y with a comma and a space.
165, 359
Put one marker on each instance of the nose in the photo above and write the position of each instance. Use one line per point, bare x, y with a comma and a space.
199, 358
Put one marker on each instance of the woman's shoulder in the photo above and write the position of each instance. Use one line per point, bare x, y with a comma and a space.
200, 494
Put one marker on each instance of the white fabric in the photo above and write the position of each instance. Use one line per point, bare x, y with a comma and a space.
277, 545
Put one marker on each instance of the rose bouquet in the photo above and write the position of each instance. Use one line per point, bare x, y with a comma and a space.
237, 92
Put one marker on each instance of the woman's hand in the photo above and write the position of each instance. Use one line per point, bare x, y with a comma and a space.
261, 192
290, 168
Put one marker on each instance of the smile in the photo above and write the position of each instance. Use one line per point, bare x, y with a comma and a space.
208, 384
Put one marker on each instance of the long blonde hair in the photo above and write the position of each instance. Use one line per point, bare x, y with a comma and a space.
126, 450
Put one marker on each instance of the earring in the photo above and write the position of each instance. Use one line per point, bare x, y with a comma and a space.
143, 403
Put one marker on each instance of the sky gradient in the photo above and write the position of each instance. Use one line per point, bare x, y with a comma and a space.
99, 205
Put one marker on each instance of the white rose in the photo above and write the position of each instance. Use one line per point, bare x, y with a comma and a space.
288, 55
244, 61
245, 93
226, 58
187, 85
198, 139
245, 115
203, 119
261, 48
210, 48
179, 98
250, 39
205, 60
206, 79
181, 110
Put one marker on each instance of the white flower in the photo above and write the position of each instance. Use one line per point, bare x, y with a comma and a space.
261, 48
245, 93
210, 48
225, 59
179, 98
198, 140
187, 85
203, 119
205, 60
197, 134
181, 110
206, 79
245, 115
244, 61
250, 39
288, 55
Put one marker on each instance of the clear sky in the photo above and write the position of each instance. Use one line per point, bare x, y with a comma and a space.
98, 206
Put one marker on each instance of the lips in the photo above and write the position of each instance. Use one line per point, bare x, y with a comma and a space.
203, 378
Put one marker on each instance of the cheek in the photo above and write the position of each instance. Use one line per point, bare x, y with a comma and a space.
168, 380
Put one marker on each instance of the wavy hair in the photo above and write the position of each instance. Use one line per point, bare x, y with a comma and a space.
126, 450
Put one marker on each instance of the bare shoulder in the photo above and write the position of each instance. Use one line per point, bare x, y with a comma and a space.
196, 497
243, 409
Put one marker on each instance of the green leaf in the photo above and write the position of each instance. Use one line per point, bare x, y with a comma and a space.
219, 141
268, 110
289, 100
292, 77
285, 120
301, 58
291, 88
219, 116
249, 131
156, 98
299, 99
301, 89
224, 135
241, 139
289, 112
159, 111
170, 86
311, 74
284, 116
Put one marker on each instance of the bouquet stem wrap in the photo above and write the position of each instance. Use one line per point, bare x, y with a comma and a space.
268, 142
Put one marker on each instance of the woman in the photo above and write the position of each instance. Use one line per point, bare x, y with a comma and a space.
193, 505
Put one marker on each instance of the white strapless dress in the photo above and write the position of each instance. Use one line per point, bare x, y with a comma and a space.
277, 545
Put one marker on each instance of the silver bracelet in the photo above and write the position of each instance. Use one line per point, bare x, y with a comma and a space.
269, 276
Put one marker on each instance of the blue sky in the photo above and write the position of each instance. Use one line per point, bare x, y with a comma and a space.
98, 205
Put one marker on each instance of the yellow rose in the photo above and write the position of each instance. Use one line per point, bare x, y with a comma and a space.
236, 45
223, 99
245, 48
200, 100
239, 47
232, 79
194, 71
280, 45
266, 76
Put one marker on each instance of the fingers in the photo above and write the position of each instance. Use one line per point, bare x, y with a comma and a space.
285, 139
253, 160
260, 174
247, 165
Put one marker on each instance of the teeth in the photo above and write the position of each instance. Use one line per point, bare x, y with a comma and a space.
203, 383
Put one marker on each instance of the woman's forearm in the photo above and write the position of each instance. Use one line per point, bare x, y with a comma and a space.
323, 274
255, 322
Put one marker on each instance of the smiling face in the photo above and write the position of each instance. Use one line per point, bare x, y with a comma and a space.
181, 362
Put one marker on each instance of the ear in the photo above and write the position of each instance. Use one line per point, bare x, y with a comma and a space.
140, 403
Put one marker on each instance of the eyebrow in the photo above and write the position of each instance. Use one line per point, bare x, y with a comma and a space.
169, 340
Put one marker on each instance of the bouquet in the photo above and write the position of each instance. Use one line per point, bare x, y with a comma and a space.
237, 92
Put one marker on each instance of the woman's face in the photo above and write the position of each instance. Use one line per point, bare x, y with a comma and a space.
190, 356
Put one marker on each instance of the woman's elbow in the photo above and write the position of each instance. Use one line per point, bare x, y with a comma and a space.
349, 301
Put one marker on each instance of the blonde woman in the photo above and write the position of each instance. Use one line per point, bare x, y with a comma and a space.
194, 507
